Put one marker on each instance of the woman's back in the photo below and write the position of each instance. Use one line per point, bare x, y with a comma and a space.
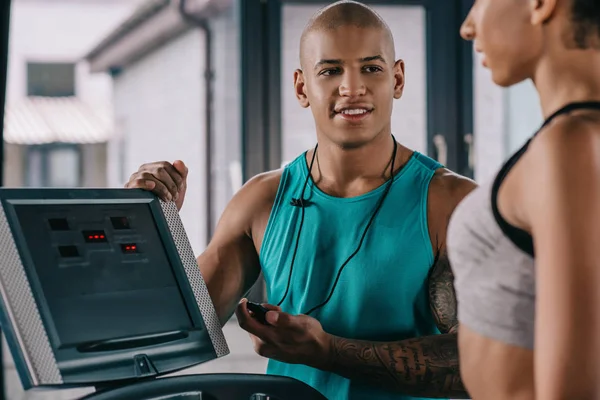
495, 278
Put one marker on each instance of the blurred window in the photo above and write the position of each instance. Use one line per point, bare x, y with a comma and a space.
50, 79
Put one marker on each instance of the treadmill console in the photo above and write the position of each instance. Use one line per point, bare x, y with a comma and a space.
100, 286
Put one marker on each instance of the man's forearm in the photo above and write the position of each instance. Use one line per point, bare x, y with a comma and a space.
423, 367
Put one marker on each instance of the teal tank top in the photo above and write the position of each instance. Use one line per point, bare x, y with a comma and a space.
382, 293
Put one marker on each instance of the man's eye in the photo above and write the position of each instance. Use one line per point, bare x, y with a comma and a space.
331, 71
373, 69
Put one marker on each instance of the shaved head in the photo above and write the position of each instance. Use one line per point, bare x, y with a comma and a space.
345, 13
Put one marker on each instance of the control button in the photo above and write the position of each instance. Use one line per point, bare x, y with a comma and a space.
58, 224
120, 222
68, 251
143, 366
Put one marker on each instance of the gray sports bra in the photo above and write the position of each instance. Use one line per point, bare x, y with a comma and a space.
493, 261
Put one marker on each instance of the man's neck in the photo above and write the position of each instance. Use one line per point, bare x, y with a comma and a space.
348, 172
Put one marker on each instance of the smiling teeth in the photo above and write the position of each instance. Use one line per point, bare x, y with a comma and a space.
354, 111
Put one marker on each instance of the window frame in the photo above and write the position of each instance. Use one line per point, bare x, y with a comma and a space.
32, 93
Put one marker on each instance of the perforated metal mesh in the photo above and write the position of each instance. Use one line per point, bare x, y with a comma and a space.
23, 311
209, 314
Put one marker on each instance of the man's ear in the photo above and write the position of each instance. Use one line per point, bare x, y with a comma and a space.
300, 88
398, 79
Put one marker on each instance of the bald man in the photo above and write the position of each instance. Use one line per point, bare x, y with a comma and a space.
350, 236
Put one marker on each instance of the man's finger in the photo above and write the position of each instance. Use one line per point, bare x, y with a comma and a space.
169, 176
181, 168
271, 316
271, 307
158, 188
281, 319
250, 324
139, 183
261, 347
256, 341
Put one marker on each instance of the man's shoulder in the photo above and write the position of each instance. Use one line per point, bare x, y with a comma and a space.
446, 190
265, 180
262, 188
448, 187
252, 204
266, 184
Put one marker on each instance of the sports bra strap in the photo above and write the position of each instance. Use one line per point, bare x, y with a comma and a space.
572, 107
519, 237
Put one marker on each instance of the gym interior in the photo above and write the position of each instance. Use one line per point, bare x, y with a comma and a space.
91, 89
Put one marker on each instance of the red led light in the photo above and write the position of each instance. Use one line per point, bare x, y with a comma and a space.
129, 248
97, 236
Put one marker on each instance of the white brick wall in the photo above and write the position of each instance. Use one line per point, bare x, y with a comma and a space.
159, 102
160, 115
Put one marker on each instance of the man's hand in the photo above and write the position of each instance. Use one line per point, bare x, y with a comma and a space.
422, 367
168, 181
293, 339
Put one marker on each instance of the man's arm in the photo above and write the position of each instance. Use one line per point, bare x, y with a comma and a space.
446, 191
423, 367
230, 263
442, 298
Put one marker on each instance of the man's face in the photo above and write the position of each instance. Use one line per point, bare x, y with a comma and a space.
349, 79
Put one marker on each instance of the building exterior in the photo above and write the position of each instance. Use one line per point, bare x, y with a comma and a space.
58, 115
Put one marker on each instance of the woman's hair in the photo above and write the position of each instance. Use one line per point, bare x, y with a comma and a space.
586, 23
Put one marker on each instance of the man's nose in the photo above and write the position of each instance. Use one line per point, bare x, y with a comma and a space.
352, 85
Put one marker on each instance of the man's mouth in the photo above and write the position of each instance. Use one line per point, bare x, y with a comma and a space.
354, 114
355, 111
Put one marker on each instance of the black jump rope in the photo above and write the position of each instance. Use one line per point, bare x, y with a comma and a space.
302, 202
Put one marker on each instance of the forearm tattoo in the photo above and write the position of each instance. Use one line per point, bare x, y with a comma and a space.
421, 367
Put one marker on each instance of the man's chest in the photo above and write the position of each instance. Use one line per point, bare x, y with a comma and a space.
385, 274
